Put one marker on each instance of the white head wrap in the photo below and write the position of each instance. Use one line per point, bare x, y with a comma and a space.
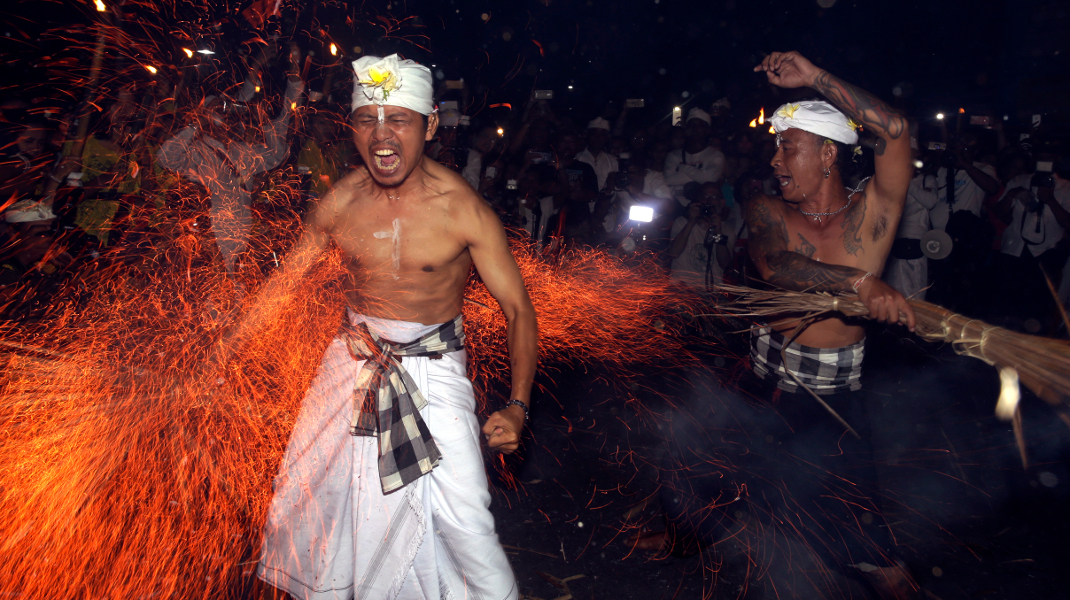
28, 211
817, 117
598, 123
392, 81
701, 115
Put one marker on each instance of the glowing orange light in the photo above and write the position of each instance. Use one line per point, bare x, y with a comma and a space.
501, 131
256, 89
962, 111
100, 6
761, 116
293, 106
334, 50
505, 104
771, 130
189, 53
754, 122
150, 69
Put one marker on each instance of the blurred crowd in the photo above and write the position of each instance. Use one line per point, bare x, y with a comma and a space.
984, 231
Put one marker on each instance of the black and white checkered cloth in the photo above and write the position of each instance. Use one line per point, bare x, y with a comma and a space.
823, 370
386, 401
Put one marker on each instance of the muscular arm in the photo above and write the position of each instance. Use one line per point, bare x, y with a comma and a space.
497, 267
780, 266
892, 153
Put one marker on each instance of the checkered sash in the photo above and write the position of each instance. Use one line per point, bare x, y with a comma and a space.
386, 401
823, 370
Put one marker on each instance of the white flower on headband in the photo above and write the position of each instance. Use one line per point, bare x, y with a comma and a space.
380, 79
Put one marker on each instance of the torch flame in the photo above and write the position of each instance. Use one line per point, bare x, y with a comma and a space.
189, 53
761, 116
754, 122
771, 130
100, 6
334, 50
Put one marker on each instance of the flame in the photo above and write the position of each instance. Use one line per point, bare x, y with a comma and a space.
761, 116
754, 122
256, 89
150, 69
334, 49
771, 130
189, 53
100, 6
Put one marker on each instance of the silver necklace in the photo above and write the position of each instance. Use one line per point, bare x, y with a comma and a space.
855, 190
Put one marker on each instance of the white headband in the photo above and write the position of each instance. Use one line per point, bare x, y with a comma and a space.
817, 117
392, 81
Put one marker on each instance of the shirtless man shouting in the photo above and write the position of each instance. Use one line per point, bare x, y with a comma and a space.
382, 492
820, 236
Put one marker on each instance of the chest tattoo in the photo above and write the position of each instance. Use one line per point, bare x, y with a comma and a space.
804, 247
852, 227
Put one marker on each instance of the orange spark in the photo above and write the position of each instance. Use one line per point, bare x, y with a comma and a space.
150, 69
100, 6
334, 49
189, 53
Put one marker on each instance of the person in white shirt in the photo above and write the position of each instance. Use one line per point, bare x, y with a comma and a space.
1037, 207
697, 161
595, 154
483, 142
973, 181
702, 241
907, 269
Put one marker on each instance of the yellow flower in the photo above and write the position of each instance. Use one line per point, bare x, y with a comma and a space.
383, 79
788, 111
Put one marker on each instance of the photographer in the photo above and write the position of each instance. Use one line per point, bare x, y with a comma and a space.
702, 241
1036, 207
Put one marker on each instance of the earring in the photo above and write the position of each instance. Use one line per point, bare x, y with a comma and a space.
827, 170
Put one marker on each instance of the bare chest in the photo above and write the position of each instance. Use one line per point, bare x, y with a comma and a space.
395, 242
852, 239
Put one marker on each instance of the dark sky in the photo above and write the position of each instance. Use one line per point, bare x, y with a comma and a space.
935, 54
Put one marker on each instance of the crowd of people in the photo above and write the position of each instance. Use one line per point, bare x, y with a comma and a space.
628, 179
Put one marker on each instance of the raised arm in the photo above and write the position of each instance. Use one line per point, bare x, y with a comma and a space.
497, 267
892, 164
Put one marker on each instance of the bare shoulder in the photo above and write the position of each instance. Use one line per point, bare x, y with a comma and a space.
462, 203
761, 209
324, 211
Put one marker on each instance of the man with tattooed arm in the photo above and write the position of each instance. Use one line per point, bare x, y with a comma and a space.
822, 237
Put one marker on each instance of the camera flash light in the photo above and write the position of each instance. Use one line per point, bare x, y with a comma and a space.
940, 116
643, 214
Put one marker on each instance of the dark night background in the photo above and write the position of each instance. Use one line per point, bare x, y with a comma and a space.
1007, 57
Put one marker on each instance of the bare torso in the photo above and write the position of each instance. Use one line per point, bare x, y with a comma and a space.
860, 237
407, 259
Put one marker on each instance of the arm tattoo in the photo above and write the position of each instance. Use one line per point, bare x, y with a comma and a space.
860, 105
852, 227
805, 247
791, 270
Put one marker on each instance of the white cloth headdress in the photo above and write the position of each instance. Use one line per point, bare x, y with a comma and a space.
392, 81
28, 211
598, 123
701, 115
817, 117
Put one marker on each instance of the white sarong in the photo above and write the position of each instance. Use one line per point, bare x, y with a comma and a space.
331, 533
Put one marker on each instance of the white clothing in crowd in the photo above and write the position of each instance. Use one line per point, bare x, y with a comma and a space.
911, 276
226, 169
603, 164
968, 195
472, 169
690, 267
546, 204
1037, 231
682, 168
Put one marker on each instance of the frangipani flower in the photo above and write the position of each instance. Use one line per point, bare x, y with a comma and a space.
381, 79
788, 111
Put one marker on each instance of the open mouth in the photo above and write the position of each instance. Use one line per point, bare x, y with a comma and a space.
784, 180
386, 160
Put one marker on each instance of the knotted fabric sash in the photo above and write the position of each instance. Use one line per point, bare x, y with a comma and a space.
386, 401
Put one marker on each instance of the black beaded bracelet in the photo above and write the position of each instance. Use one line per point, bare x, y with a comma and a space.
515, 402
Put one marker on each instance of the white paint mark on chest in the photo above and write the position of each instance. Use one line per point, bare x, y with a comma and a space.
395, 254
